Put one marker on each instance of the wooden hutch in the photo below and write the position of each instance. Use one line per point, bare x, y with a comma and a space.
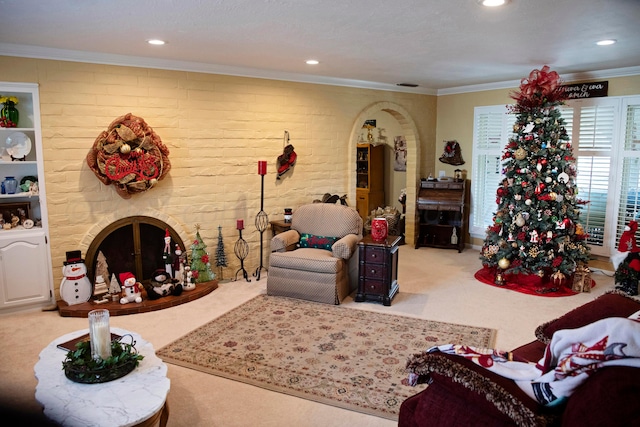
369, 178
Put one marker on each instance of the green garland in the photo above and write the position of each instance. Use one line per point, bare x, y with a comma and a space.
80, 367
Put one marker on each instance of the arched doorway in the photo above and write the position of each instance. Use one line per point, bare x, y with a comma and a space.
413, 155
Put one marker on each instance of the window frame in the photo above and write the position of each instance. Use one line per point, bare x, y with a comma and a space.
617, 156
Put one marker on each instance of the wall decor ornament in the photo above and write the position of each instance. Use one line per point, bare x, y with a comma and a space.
452, 154
287, 159
129, 155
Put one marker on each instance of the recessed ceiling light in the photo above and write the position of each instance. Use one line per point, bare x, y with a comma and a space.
312, 62
156, 42
492, 3
606, 42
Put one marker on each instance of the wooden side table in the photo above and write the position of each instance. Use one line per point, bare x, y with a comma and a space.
378, 269
137, 399
278, 226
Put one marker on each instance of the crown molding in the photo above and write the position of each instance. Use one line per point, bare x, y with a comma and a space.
37, 52
567, 78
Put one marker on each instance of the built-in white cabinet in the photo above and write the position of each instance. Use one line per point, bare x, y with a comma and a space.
26, 279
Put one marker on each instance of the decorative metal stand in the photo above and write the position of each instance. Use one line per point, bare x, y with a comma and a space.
262, 222
241, 249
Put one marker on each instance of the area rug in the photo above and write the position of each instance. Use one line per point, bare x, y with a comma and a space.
345, 357
529, 284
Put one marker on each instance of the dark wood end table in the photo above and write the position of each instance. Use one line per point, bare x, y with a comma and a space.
378, 269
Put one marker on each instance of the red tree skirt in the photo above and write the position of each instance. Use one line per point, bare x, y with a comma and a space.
531, 284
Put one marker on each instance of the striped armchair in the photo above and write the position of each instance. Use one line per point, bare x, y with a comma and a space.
314, 259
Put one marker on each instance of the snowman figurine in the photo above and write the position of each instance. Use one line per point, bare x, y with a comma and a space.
130, 288
75, 287
189, 283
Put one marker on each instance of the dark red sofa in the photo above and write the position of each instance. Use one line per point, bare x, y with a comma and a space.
460, 393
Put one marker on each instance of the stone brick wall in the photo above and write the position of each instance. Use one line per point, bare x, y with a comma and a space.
217, 128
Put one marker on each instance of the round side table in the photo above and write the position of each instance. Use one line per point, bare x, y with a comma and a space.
138, 398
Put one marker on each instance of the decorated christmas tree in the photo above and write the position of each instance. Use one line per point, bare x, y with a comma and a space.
535, 232
221, 257
200, 265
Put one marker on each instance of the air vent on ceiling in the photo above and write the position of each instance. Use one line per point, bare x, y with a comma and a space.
407, 84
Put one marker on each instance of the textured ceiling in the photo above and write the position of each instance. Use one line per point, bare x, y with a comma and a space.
436, 44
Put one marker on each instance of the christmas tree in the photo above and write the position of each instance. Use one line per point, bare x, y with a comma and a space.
221, 257
535, 230
200, 265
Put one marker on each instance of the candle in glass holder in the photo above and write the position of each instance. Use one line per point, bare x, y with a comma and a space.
99, 334
240, 224
262, 167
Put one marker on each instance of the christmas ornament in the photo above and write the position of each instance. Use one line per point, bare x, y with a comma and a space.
520, 154
125, 148
504, 263
563, 178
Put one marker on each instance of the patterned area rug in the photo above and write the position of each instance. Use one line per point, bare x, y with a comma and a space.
350, 358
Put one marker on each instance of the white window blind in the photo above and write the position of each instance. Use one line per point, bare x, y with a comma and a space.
591, 126
629, 183
492, 129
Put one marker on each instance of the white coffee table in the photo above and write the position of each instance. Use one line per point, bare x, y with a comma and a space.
138, 398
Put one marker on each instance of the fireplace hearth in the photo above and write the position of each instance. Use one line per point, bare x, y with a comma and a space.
133, 244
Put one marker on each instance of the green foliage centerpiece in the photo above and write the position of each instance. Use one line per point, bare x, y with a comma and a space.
79, 366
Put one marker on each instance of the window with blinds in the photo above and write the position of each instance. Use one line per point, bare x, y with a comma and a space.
629, 184
605, 135
492, 129
592, 126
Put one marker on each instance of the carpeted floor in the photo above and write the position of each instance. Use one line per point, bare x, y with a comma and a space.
435, 284
348, 358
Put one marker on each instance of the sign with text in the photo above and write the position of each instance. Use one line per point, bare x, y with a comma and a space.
586, 90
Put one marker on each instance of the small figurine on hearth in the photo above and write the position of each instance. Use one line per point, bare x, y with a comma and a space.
166, 253
131, 289
161, 285
179, 262
75, 287
189, 281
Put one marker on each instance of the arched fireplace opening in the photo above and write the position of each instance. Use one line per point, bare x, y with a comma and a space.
133, 244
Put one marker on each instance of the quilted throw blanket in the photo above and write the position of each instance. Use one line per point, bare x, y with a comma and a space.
569, 359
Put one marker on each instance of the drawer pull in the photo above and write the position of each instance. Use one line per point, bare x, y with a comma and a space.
373, 255
373, 271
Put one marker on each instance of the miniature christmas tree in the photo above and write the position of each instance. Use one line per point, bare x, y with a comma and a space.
200, 265
114, 286
221, 257
535, 230
102, 268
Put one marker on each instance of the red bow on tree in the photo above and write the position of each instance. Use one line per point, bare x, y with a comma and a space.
541, 87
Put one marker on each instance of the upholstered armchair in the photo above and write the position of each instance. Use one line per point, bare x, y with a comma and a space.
314, 260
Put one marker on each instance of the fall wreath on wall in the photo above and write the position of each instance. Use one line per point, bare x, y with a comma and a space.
129, 155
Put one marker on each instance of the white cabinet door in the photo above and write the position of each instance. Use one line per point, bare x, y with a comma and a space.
24, 270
